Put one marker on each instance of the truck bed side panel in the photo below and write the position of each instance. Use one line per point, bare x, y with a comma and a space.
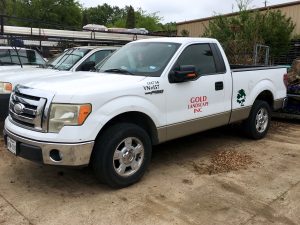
248, 84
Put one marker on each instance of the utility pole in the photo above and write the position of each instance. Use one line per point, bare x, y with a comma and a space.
265, 2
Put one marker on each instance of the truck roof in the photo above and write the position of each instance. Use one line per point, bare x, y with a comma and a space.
97, 47
180, 40
9, 47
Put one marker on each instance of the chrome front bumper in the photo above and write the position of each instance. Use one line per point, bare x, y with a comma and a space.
71, 154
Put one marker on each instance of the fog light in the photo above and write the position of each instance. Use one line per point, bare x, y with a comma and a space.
55, 155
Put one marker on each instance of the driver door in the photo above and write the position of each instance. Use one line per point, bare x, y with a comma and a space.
197, 104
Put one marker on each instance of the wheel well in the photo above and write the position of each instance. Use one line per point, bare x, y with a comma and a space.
137, 118
266, 96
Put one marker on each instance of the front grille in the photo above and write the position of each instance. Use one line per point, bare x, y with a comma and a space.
27, 111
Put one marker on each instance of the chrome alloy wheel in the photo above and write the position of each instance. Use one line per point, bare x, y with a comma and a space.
262, 120
128, 157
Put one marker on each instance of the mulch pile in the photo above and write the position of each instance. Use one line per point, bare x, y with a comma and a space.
225, 161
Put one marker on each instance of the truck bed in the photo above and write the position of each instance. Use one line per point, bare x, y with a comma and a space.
240, 68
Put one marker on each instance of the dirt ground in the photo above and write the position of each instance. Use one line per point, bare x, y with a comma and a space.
215, 177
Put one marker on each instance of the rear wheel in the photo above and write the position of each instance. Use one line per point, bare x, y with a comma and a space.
121, 155
258, 122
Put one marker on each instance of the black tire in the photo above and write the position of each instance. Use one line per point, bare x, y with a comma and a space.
249, 125
110, 142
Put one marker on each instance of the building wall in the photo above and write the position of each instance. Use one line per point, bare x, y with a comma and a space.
197, 28
294, 13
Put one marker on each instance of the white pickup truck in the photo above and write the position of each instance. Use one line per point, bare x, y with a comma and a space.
75, 59
149, 92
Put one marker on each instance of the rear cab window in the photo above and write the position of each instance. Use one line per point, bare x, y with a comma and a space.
26, 56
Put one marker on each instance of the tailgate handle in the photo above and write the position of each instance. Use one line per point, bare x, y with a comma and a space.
219, 85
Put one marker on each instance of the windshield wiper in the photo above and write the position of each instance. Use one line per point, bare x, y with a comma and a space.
122, 71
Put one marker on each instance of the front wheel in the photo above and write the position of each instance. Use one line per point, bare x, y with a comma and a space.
258, 122
121, 155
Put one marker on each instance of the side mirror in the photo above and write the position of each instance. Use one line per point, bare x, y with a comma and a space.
183, 74
87, 66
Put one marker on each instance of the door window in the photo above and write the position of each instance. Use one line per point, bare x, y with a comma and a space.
200, 56
5, 58
99, 56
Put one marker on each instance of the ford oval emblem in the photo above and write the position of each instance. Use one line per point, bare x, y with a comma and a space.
19, 108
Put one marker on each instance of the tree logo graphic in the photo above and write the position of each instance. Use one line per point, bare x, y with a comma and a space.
241, 97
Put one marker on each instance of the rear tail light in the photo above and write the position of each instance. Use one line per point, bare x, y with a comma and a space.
285, 80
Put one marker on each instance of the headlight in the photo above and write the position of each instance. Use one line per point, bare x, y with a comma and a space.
5, 88
67, 115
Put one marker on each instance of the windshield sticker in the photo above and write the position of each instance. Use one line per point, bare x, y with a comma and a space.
152, 87
196, 104
241, 97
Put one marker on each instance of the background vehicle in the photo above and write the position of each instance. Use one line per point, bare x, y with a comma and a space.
11, 58
148, 92
138, 31
95, 27
72, 60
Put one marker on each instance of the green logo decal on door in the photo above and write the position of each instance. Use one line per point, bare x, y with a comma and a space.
241, 97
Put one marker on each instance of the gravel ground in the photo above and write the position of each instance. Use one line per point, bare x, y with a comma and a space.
215, 177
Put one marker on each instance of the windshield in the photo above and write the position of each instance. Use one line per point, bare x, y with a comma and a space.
68, 59
26, 56
140, 58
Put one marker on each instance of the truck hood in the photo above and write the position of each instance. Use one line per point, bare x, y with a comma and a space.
20, 76
85, 83
16, 67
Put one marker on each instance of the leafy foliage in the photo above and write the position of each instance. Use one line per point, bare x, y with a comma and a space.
70, 13
66, 12
239, 34
130, 20
103, 14
276, 32
150, 21
120, 17
3, 6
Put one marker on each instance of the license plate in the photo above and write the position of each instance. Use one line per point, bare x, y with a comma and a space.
12, 145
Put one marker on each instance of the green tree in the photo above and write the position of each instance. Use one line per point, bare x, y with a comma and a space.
3, 6
113, 16
7, 7
130, 20
150, 21
61, 12
276, 31
103, 14
239, 34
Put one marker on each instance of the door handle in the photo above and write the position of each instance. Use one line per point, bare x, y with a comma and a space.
219, 86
